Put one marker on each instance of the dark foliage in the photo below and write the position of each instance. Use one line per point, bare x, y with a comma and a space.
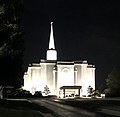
16, 93
10, 92
11, 43
38, 94
113, 83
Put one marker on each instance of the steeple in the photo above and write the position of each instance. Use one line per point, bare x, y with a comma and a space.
51, 52
51, 42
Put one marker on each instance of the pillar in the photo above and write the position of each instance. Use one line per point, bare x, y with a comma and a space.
79, 92
63, 93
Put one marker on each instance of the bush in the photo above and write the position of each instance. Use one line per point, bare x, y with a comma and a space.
38, 94
16, 93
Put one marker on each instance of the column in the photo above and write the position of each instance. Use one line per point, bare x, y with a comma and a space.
79, 92
63, 93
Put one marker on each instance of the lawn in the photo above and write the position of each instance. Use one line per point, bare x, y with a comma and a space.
19, 108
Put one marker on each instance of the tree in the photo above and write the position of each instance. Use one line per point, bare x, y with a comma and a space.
11, 43
113, 83
90, 90
1, 92
46, 90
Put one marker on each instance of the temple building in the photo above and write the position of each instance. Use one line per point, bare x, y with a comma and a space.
57, 77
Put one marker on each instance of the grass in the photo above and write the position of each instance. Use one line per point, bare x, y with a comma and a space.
20, 108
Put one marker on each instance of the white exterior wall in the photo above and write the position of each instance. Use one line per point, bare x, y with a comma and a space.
50, 77
78, 79
85, 77
43, 74
65, 75
78, 74
36, 79
51, 54
55, 81
28, 79
91, 77
26, 85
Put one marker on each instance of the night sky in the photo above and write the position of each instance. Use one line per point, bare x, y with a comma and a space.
83, 30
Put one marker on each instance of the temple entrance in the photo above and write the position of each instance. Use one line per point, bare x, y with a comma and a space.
69, 91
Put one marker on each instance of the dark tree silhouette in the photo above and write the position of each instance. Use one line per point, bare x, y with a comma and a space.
11, 43
90, 90
113, 83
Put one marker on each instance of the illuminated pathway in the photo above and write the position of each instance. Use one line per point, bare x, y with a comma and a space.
67, 111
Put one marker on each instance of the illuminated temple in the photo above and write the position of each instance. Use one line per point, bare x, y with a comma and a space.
57, 77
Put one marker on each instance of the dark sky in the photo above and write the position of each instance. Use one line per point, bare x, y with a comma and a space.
83, 30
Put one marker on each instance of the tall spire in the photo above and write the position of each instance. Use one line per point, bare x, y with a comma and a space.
51, 42
51, 52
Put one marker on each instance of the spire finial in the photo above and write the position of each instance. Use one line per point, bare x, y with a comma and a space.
51, 42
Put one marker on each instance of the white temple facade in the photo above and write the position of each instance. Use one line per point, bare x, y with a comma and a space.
57, 77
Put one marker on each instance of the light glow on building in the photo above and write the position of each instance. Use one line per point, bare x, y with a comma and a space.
62, 78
